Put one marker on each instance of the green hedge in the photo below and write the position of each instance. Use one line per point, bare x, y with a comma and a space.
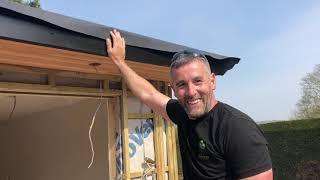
291, 144
292, 125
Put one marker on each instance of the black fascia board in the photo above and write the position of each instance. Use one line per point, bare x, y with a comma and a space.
32, 25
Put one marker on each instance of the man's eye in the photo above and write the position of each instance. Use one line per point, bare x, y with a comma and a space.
198, 81
180, 85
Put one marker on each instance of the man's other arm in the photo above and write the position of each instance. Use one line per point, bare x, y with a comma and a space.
267, 175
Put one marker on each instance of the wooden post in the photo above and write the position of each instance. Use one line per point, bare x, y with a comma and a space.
51, 80
174, 144
159, 147
170, 152
111, 130
125, 132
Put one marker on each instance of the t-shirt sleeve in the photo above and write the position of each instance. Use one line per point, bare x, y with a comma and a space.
174, 111
246, 149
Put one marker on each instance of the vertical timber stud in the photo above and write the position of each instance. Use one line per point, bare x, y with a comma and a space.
111, 129
125, 132
170, 152
106, 85
158, 123
52, 80
174, 144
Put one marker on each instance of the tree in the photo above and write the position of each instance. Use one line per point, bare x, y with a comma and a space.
309, 104
18, 1
35, 3
31, 3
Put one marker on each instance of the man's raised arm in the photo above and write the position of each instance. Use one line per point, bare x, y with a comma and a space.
139, 86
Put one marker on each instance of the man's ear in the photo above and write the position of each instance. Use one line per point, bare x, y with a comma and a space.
213, 81
171, 86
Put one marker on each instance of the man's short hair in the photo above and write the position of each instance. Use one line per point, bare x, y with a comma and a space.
187, 56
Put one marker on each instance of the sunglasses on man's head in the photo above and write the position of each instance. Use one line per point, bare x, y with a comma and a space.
187, 54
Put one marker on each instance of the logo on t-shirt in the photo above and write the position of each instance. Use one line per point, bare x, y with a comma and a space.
202, 145
203, 153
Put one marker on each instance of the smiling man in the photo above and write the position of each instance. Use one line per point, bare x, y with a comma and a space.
216, 140
192, 83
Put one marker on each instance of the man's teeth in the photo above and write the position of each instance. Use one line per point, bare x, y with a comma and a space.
191, 102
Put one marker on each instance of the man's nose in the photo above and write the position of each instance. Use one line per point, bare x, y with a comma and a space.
191, 90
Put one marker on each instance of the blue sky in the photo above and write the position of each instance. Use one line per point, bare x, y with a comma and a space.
278, 41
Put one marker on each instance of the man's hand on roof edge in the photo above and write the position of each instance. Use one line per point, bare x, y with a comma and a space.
116, 47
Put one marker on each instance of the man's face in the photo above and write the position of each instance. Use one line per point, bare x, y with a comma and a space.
193, 86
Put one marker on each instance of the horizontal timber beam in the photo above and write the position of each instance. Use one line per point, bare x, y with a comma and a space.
141, 116
140, 174
6, 87
24, 54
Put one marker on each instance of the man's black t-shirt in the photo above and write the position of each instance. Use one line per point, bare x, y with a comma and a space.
223, 144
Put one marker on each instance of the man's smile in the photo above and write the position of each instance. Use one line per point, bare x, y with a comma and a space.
193, 102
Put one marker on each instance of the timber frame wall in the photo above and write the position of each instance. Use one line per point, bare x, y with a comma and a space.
34, 69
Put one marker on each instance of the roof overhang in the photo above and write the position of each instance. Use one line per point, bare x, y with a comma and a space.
31, 28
